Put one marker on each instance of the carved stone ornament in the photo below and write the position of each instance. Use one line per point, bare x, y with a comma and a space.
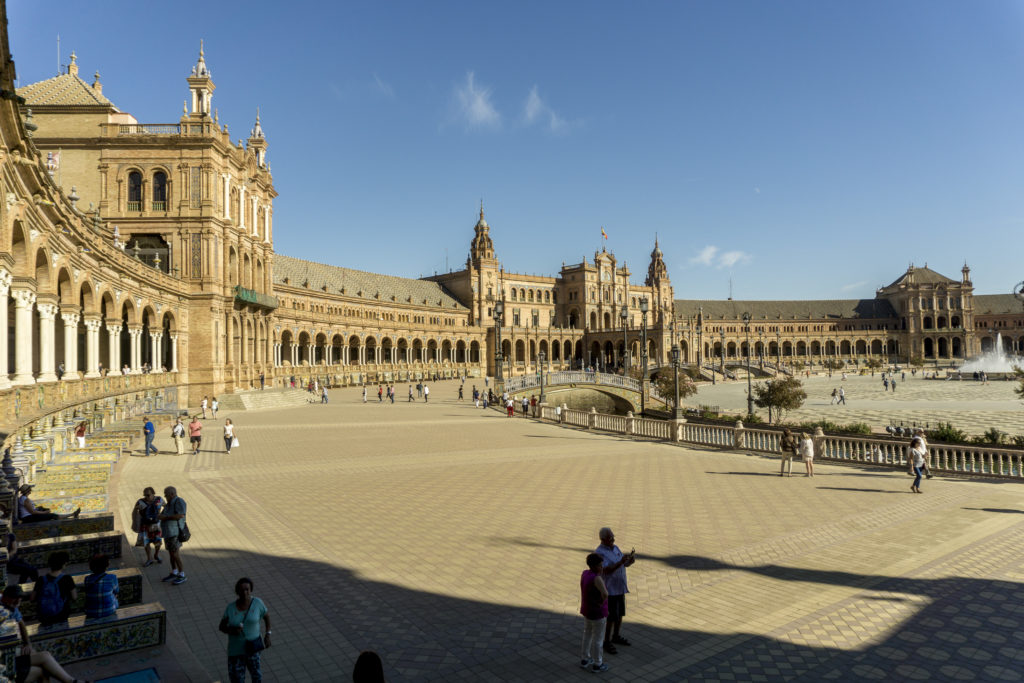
117, 294
33, 234
55, 258
12, 199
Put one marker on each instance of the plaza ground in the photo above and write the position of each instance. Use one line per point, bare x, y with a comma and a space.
968, 405
451, 541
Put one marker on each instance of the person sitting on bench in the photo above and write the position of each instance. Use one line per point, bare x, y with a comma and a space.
27, 512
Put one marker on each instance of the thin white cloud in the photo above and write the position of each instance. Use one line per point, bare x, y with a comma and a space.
383, 87
473, 104
853, 285
706, 256
731, 258
535, 110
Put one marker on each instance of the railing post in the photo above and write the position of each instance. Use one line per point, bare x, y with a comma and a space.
677, 429
819, 442
561, 413
630, 423
592, 418
738, 436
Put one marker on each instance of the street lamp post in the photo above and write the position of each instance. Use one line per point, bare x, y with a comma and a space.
778, 351
624, 314
499, 310
760, 349
721, 352
750, 395
540, 357
643, 354
675, 368
700, 350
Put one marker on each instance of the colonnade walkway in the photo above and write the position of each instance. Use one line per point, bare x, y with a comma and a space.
451, 540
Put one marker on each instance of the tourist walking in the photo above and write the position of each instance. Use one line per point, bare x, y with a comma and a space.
509, 407
614, 573
263, 381
80, 430
842, 396
926, 470
391, 393
594, 608
788, 445
195, 434
380, 394
411, 399
150, 433
203, 404
835, 396
533, 405
364, 393
229, 435
214, 406
241, 622
426, 394
323, 395
172, 523
807, 452
526, 406
178, 434
918, 453
146, 523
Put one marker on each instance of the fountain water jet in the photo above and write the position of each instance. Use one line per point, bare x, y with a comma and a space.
995, 361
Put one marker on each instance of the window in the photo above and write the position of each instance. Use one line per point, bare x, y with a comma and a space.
531, 295
515, 317
513, 294
135, 191
547, 297
159, 191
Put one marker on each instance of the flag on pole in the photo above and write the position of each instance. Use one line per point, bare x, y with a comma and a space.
604, 234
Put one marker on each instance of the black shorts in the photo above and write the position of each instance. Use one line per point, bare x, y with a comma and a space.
195, 440
616, 606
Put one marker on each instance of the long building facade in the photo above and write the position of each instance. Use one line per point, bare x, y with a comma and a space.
131, 248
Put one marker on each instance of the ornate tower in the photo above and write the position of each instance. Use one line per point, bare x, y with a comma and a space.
661, 287
202, 87
482, 266
257, 142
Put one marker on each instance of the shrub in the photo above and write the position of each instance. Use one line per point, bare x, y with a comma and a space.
1018, 440
993, 436
857, 428
753, 418
947, 433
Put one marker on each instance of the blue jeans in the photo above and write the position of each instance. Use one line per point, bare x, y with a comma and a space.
917, 476
149, 444
237, 664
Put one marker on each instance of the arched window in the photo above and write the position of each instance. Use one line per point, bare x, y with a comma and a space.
547, 297
514, 294
159, 191
531, 295
135, 191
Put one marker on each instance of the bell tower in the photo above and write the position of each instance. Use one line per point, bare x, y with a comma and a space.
258, 142
661, 287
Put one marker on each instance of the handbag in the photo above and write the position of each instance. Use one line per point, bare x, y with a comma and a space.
234, 442
256, 644
183, 532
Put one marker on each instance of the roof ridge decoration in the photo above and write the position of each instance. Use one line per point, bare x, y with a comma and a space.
200, 69
66, 89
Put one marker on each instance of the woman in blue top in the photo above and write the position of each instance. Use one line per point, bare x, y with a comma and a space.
241, 621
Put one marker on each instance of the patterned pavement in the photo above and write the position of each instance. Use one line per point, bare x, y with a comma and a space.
968, 405
451, 541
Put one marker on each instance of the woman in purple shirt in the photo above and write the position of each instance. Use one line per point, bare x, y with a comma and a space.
594, 608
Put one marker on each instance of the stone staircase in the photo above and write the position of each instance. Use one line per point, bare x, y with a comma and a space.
269, 398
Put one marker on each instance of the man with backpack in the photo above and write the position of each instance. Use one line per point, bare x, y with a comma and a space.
178, 434
54, 591
146, 522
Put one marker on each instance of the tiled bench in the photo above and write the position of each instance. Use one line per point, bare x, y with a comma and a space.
80, 547
132, 628
129, 582
85, 524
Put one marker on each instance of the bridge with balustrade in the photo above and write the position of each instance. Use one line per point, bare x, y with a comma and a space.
617, 386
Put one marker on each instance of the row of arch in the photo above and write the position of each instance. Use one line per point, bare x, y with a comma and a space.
339, 349
159, 191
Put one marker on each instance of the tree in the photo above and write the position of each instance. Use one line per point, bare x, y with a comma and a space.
832, 364
797, 365
782, 394
917, 361
665, 384
1020, 380
874, 364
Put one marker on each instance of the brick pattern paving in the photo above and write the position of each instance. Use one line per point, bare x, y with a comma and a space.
451, 541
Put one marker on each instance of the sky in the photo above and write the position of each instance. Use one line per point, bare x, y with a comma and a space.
778, 150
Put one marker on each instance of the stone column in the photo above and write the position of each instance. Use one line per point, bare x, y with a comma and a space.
47, 360
156, 340
114, 348
71, 345
255, 219
174, 353
243, 342
135, 349
241, 207
5, 288
23, 301
92, 347
227, 194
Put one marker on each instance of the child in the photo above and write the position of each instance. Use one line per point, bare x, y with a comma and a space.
100, 589
594, 608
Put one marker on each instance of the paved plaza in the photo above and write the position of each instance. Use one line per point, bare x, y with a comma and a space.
969, 405
451, 540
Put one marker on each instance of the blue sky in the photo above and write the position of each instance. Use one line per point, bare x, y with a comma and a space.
800, 149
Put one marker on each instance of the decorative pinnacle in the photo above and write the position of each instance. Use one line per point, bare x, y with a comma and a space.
481, 208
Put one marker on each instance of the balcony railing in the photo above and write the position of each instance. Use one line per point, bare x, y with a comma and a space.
250, 296
159, 206
149, 129
135, 206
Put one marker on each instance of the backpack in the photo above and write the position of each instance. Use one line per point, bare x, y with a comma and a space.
51, 602
152, 514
